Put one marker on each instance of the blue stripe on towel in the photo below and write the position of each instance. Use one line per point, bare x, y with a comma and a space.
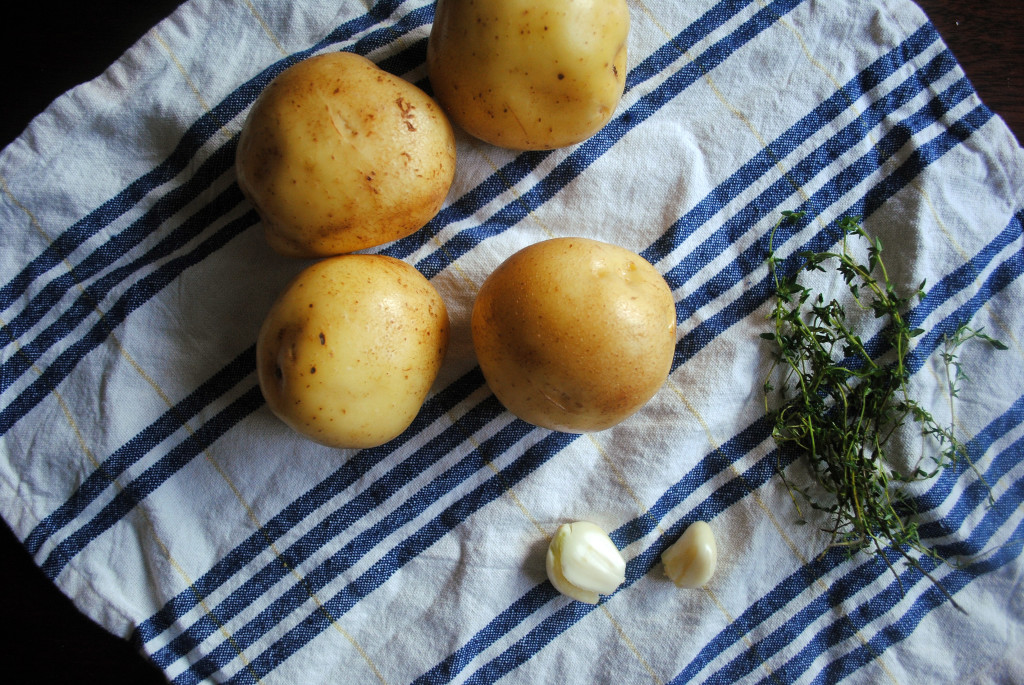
127, 498
135, 296
874, 608
299, 509
405, 551
858, 578
140, 445
930, 599
587, 152
339, 520
758, 293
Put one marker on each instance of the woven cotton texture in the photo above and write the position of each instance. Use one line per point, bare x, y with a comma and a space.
144, 473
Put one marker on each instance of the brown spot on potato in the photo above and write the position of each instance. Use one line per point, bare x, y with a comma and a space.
406, 109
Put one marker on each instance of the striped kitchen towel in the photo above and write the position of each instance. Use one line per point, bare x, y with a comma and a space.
145, 475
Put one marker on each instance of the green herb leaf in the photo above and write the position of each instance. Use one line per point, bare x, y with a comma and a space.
839, 413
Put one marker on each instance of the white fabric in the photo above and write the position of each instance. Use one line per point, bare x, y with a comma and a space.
150, 482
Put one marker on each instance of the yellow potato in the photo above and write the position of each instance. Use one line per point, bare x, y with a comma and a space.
529, 74
348, 353
338, 155
574, 334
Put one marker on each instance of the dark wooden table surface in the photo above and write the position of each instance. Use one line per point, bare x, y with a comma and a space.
987, 39
44, 52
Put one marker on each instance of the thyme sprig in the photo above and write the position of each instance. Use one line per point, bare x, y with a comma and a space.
840, 406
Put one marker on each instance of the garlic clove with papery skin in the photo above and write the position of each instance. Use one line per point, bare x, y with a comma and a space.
583, 563
691, 560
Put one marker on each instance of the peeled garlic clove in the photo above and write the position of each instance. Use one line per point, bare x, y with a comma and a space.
691, 560
583, 562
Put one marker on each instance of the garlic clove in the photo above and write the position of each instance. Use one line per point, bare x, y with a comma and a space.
583, 563
691, 560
